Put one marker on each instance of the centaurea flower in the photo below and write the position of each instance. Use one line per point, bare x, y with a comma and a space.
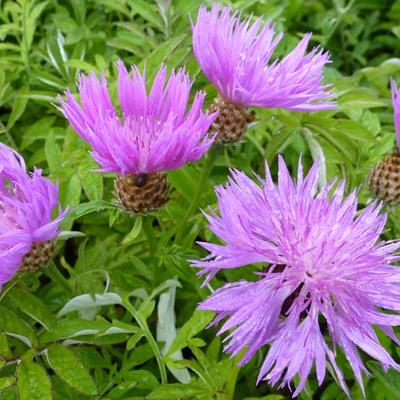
235, 56
27, 227
151, 133
324, 266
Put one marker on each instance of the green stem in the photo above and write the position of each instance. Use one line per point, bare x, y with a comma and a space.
150, 339
56, 276
208, 165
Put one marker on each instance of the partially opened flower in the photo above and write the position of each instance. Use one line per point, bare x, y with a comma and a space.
326, 274
235, 56
152, 133
27, 227
384, 180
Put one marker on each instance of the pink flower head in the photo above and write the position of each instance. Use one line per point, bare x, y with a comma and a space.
156, 131
326, 273
27, 202
235, 56
396, 108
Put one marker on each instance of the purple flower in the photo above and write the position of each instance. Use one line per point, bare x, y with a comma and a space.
155, 132
326, 273
396, 107
235, 56
27, 202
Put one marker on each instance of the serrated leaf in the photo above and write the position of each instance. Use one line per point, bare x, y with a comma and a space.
33, 382
70, 369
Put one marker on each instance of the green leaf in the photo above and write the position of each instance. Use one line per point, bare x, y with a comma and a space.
57, 54
17, 109
160, 54
87, 208
53, 154
177, 391
73, 192
166, 332
134, 233
65, 235
74, 328
12, 325
268, 397
361, 98
32, 306
92, 182
390, 378
84, 301
279, 142
197, 322
70, 369
33, 382
82, 66
147, 11
139, 379
7, 382
5, 351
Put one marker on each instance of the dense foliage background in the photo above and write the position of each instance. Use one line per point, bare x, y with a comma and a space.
113, 316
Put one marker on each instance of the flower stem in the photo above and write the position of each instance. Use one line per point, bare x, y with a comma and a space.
208, 165
149, 337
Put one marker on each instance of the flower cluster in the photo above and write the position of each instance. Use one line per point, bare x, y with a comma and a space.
27, 228
326, 273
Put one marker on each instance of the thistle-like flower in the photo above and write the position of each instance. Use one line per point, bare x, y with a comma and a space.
384, 179
326, 273
235, 56
27, 228
154, 131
